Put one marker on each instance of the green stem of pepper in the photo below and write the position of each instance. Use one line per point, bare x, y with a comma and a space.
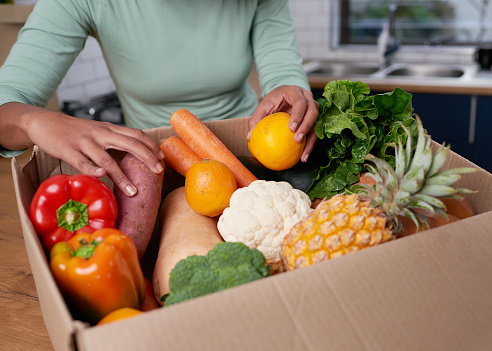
72, 215
86, 249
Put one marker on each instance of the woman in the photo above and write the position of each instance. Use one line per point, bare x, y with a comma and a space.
163, 55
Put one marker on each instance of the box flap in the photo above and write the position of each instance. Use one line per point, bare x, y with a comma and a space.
424, 292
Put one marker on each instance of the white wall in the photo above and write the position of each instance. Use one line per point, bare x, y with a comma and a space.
87, 77
313, 21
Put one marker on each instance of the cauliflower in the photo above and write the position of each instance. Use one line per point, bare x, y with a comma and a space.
261, 215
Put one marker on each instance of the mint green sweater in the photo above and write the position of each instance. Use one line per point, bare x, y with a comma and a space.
163, 55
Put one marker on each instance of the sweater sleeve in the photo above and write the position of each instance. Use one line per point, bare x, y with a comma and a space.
10, 153
49, 42
277, 57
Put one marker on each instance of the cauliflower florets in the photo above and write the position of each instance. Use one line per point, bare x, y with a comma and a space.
261, 215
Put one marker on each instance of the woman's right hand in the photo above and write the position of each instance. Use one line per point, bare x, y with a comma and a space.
84, 144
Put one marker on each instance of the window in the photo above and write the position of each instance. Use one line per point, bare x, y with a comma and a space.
417, 22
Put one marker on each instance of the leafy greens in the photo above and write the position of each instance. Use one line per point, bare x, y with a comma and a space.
351, 124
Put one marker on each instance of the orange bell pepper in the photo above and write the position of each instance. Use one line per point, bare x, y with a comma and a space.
98, 273
119, 314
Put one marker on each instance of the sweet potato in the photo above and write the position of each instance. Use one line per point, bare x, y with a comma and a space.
183, 233
137, 214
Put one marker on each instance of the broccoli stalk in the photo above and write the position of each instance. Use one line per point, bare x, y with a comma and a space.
228, 264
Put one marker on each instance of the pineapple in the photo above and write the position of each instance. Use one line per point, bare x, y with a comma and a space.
370, 215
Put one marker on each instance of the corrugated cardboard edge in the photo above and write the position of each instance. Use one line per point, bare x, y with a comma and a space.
57, 318
375, 300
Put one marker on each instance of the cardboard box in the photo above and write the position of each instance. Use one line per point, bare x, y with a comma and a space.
430, 291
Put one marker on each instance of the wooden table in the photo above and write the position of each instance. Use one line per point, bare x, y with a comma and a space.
21, 323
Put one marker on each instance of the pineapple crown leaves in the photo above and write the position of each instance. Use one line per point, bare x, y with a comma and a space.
415, 182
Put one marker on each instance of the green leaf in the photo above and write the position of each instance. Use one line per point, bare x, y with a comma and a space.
361, 148
352, 124
335, 125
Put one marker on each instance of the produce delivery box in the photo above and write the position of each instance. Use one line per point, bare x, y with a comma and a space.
428, 291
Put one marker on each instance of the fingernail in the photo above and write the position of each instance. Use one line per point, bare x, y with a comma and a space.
299, 137
161, 154
305, 157
100, 172
159, 167
130, 190
293, 126
249, 135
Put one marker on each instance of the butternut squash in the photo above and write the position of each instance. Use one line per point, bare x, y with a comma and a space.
456, 209
183, 233
460, 208
434, 220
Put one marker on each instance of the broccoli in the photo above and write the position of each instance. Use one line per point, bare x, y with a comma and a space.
228, 264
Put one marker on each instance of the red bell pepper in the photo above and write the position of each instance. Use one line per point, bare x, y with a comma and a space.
66, 205
98, 273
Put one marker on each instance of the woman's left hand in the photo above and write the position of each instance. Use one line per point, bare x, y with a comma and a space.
301, 106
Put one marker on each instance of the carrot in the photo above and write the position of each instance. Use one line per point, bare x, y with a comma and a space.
178, 155
207, 145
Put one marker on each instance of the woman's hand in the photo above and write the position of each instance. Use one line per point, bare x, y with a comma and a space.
84, 144
301, 106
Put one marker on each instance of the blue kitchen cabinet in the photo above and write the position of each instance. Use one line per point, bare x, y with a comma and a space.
483, 134
449, 119
446, 118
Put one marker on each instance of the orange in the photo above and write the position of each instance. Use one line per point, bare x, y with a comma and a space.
272, 143
121, 313
209, 185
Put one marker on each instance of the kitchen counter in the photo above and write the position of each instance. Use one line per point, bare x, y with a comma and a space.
22, 325
479, 84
